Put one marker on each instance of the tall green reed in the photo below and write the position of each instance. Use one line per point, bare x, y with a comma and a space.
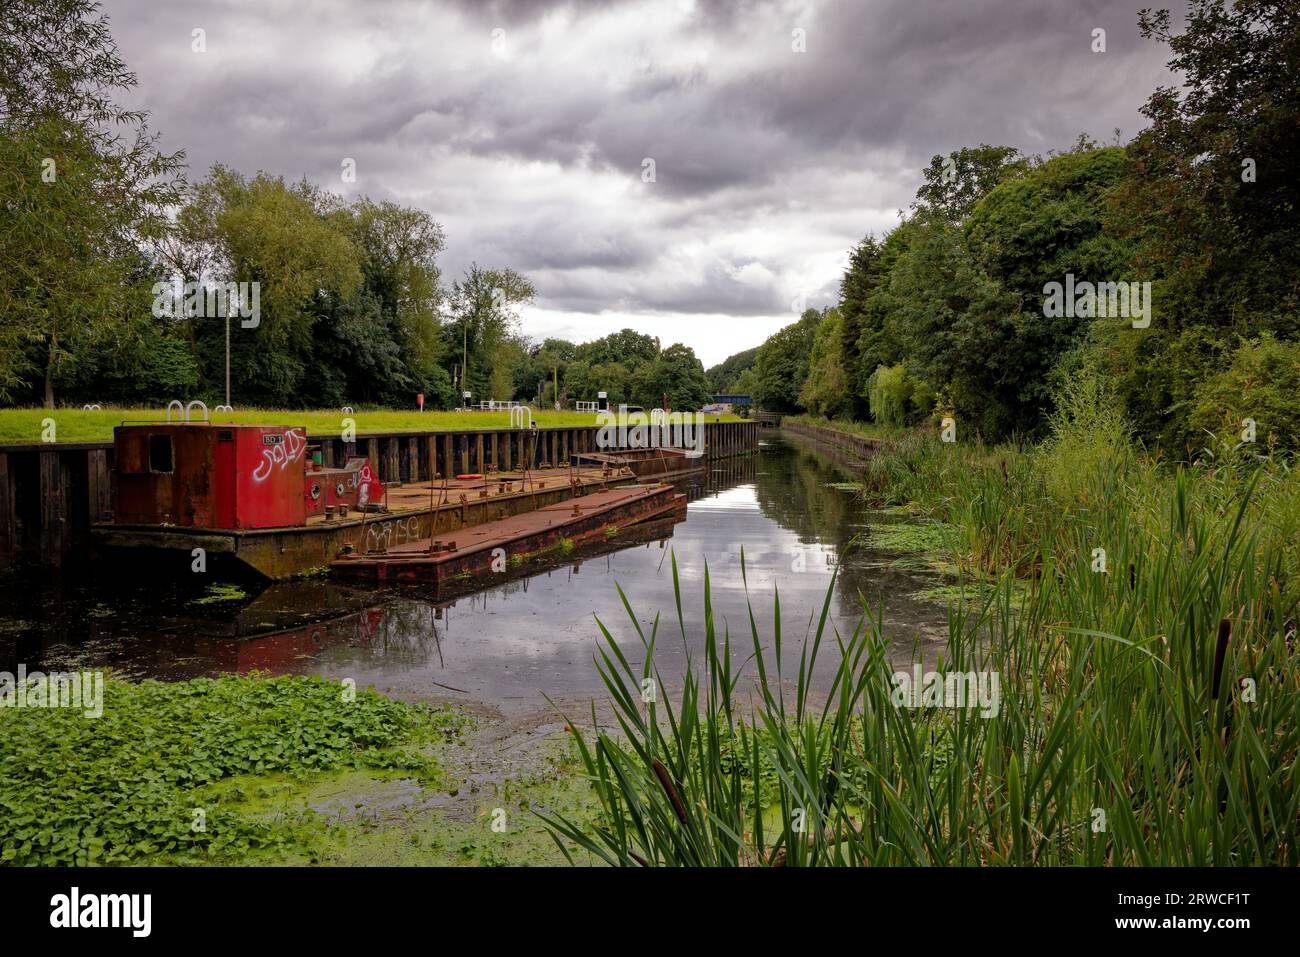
1148, 712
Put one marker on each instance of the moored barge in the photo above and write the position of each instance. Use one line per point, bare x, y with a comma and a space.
258, 497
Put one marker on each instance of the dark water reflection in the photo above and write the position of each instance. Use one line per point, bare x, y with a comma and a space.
507, 645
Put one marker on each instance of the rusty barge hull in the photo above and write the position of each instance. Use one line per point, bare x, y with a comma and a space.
480, 553
286, 552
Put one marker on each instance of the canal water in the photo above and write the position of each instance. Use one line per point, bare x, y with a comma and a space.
790, 509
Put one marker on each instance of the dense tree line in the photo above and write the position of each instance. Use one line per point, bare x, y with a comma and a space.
628, 366
952, 312
124, 281
735, 375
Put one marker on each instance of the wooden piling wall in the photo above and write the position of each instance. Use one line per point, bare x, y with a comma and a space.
859, 446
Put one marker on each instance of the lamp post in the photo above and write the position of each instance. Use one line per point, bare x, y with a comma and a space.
227, 358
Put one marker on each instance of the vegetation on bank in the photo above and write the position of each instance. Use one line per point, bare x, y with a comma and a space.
1191, 224
1141, 623
96, 425
866, 430
258, 770
140, 781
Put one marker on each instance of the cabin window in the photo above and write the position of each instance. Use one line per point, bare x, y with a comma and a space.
160, 453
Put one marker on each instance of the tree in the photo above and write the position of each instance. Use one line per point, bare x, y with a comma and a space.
554, 359
856, 285
825, 391
675, 376
1029, 231
356, 357
722, 377
83, 185
400, 247
869, 309
612, 378
746, 383
348, 295
947, 311
295, 245
1216, 177
509, 356
1210, 200
562, 349
384, 344
484, 312
627, 346
782, 364
952, 322
953, 184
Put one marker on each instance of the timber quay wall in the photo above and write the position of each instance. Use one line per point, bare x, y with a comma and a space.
51, 494
859, 446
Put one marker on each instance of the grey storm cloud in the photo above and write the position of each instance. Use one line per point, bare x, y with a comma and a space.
523, 127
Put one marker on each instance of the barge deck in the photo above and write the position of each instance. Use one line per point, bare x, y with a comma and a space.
493, 547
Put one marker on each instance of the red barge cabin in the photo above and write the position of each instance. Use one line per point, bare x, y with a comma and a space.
258, 495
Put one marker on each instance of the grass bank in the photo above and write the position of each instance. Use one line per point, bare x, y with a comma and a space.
1138, 643
96, 425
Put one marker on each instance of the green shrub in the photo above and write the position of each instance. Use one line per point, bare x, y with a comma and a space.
1090, 442
1261, 383
922, 402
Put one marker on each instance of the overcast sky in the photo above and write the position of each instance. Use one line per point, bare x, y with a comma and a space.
524, 128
